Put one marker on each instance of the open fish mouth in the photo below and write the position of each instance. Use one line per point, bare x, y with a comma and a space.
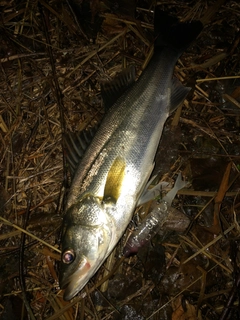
73, 284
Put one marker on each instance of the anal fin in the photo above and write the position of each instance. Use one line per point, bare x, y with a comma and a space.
178, 94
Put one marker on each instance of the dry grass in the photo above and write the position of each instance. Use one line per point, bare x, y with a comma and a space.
51, 69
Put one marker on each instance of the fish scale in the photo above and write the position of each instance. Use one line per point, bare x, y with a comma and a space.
133, 119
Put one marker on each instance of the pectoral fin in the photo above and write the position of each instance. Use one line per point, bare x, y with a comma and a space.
114, 180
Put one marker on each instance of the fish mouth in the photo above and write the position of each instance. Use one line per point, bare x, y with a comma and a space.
76, 281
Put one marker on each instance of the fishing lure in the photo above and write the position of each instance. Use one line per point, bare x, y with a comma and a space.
154, 221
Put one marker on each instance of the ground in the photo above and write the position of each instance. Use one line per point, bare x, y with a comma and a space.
54, 56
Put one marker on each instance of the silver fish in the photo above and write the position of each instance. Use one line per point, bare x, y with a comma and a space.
117, 165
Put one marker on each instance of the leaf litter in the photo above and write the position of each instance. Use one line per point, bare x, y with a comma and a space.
54, 56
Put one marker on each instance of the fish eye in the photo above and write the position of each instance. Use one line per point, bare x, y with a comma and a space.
68, 256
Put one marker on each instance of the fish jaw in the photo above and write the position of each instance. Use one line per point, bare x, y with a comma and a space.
88, 237
77, 280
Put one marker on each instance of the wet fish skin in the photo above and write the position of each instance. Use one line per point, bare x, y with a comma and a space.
114, 170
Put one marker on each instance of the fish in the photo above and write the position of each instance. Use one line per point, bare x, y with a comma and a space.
116, 166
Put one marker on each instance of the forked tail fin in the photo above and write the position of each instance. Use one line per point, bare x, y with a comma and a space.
171, 33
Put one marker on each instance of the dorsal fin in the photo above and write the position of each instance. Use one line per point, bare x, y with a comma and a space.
112, 90
75, 145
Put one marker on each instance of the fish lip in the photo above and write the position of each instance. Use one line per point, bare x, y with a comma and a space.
76, 281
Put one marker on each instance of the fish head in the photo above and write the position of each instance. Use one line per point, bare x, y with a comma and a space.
87, 237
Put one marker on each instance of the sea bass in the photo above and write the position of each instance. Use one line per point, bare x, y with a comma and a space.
116, 166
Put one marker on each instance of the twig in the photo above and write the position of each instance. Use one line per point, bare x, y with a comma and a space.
210, 244
29, 233
219, 198
218, 78
21, 268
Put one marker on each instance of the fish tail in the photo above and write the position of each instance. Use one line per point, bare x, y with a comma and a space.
171, 33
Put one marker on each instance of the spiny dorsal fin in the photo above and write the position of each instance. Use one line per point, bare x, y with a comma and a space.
75, 145
112, 90
114, 180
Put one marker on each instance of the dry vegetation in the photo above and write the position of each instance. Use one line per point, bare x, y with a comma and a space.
53, 56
